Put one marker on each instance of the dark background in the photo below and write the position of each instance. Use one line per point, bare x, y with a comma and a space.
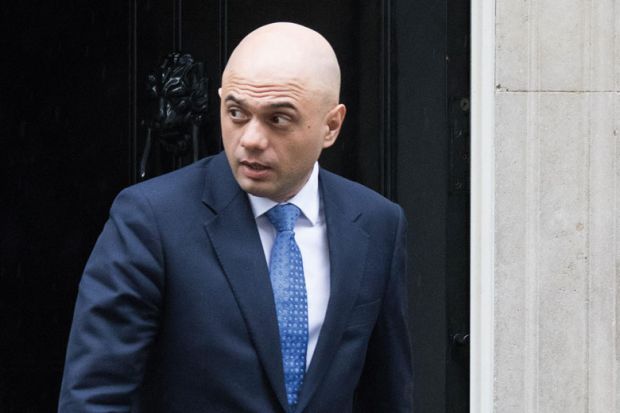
72, 99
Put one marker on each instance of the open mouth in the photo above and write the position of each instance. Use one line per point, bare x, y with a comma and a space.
255, 166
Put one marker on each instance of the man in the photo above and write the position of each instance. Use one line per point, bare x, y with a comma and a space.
254, 281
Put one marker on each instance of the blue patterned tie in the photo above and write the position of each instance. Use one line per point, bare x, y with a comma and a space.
289, 290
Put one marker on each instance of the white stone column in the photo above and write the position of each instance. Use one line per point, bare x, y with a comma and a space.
555, 283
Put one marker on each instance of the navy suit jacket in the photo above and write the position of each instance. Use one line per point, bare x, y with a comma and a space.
175, 311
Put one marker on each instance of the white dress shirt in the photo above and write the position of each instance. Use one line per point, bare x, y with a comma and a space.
311, 237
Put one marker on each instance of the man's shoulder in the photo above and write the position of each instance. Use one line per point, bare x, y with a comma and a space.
355, 195
179, 184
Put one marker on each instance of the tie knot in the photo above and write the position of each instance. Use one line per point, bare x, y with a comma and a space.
283, 217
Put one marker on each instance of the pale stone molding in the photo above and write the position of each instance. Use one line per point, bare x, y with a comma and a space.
555, 340
482, 205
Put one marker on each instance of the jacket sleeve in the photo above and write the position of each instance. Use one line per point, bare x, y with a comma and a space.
117, 311
386, 384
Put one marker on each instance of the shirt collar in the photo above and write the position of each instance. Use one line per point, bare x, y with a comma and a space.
307, 199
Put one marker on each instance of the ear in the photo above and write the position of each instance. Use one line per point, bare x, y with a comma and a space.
333, 123
219, 92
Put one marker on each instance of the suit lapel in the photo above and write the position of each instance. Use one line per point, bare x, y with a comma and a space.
348, 244
233, 234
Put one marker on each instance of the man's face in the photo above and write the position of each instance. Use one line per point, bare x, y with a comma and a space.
273, 132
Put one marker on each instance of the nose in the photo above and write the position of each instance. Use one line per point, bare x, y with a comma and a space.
254, 137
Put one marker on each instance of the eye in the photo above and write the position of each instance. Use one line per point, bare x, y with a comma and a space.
280, 119
236, 114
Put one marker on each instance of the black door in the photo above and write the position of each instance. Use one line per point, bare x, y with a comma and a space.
74, 111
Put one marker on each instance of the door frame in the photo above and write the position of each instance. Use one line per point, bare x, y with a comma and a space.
482, 242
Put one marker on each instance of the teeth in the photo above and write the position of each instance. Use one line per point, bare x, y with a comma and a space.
256, 167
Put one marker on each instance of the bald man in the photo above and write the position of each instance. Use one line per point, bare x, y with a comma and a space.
253, 280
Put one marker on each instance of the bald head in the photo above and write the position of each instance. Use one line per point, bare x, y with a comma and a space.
279, 108
287, 52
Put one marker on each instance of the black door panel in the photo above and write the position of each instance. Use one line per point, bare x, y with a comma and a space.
73, 115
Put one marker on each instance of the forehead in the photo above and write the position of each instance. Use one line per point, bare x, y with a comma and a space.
263, 89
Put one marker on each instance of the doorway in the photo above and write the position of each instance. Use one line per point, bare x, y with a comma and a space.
73, 136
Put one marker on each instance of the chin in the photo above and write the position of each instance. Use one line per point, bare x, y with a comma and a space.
263, 189
254, 189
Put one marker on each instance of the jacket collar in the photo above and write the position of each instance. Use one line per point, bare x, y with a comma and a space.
348, 244
233, 233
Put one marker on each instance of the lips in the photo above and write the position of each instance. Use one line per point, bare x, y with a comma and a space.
255, 166
254, 170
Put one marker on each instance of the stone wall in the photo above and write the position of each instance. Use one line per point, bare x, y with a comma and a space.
557, 100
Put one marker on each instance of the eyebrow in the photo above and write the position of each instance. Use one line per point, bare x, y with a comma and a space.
274, 105
234, 99
280, 105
